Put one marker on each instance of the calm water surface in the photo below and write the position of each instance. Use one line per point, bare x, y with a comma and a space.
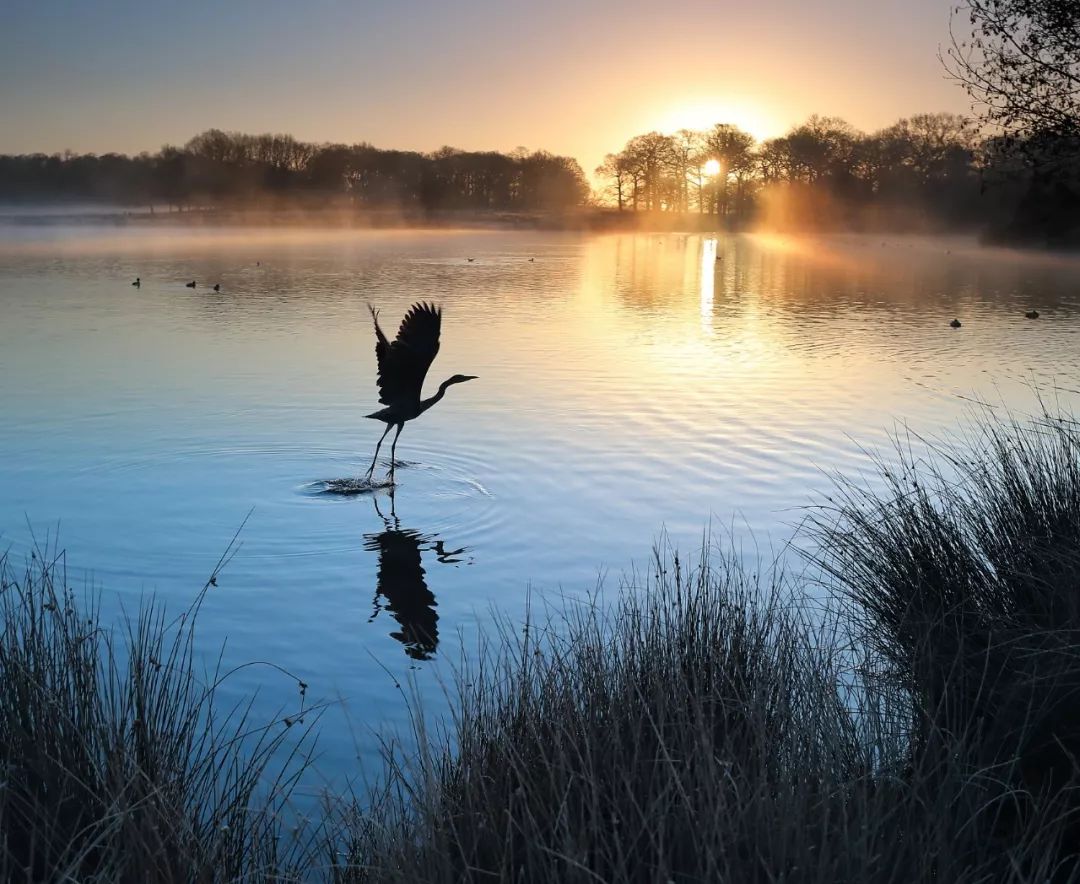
629, 384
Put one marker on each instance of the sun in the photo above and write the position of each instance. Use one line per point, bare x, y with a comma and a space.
712, 167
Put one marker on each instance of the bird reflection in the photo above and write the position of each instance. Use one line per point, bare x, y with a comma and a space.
400, 585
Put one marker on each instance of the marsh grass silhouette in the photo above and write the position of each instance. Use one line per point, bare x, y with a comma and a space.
910, 717
716, 724
118, 763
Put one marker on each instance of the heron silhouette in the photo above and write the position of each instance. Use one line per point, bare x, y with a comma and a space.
400, 587
403, 364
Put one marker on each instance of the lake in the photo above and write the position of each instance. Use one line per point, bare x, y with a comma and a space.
629, 386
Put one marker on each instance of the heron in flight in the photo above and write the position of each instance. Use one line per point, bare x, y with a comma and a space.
403, 364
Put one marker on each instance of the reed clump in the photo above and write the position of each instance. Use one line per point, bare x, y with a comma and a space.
911, 717
116, 762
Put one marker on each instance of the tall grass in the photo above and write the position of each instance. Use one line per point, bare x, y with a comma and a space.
924, 727
964, 577
116, 763
705, 730
919, 723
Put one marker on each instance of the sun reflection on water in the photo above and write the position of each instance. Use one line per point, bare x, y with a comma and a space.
708, 283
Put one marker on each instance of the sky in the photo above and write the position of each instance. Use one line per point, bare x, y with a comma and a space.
576, 77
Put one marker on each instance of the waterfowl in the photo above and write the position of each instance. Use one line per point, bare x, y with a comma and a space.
217, 286
955, 323
137, 283
470, 260
403, 363
531, 260
190, 285
1032, 314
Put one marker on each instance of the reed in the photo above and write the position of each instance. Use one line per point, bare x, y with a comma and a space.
116, 762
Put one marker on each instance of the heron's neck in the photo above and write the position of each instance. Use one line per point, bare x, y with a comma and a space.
425, 404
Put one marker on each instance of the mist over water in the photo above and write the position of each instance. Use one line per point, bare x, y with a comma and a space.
628, 385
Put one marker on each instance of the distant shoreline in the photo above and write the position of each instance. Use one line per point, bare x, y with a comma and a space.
591, 219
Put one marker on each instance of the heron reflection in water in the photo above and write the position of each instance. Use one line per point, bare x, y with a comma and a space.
400, 585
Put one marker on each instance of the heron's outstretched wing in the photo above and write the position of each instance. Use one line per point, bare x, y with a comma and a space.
404, 362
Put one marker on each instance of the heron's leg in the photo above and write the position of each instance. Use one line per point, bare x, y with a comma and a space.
393, 451
371, 469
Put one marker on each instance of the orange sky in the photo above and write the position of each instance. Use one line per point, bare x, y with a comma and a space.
576, 78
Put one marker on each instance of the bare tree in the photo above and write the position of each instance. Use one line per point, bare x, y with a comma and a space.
1020, 62
649, 159
616, 171
732, 148
686, 150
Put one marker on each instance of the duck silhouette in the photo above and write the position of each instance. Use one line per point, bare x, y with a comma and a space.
137, 283
955, 323
190, 285
401, 586
217, 286
1032, 314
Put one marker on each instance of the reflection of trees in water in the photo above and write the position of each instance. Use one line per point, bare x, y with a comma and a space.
652, 270
401, 587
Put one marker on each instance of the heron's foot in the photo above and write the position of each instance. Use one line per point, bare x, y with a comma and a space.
348, 487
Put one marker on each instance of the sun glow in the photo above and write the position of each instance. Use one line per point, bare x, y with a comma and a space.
712, 168
704, 114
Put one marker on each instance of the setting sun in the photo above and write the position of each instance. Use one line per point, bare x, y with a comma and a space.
712, 167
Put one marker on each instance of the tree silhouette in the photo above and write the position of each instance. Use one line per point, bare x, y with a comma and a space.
218, 168
1021, 65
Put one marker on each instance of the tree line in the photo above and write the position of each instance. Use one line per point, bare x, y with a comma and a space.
222, 168
1013, 170
933, 166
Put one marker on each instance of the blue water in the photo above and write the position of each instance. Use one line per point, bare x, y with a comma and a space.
628, 385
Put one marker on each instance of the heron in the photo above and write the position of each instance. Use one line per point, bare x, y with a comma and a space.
403, 363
